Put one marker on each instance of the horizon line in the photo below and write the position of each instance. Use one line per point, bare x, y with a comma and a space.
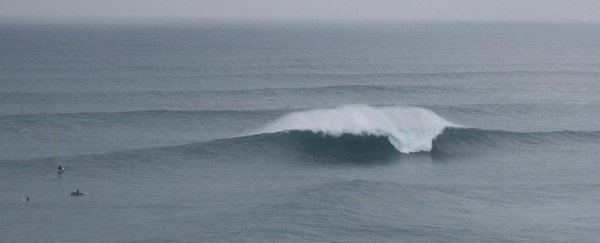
194, 20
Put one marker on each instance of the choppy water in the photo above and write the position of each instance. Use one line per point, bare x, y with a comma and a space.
300, 132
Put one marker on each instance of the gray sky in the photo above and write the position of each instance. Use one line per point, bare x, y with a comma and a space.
410, 10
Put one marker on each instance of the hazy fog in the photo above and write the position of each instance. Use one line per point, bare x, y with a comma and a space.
409, 10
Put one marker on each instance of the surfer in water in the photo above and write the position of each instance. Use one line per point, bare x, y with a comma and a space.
27, 199
76, 193
60, 168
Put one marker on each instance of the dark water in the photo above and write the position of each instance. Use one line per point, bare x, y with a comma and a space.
300, 132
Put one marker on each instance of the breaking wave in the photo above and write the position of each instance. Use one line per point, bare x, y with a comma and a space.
408, 129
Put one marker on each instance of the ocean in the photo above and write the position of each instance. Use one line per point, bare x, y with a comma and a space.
300, 131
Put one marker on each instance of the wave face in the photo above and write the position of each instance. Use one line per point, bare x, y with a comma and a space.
408, 129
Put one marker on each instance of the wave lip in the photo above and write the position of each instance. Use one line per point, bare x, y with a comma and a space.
409, 129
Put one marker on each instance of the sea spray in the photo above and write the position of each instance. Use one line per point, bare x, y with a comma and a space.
409, 129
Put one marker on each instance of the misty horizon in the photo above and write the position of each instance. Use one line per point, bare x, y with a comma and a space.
379, 10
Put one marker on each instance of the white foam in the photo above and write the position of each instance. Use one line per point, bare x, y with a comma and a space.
409, 129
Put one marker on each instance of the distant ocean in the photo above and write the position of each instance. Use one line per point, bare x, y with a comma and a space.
300, 132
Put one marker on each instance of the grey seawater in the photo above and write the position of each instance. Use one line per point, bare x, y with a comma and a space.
158, 123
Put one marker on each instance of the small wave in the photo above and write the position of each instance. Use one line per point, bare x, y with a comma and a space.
159, 112
457, 140
408, 129
577, 102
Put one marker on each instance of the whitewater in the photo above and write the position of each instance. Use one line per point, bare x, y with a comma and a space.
409, 129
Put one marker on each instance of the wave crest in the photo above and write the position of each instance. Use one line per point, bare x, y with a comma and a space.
408, 129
